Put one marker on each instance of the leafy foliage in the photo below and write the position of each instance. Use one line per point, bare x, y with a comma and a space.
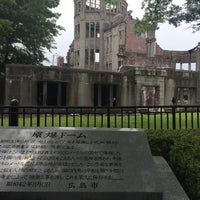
191, 15
27, 28
181, 149
185, 160
160, 11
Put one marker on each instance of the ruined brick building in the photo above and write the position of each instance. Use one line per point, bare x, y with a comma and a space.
108, 60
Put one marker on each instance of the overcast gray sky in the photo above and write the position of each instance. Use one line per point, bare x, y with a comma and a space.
168, 37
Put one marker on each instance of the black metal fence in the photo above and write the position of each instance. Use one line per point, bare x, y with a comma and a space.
152, 117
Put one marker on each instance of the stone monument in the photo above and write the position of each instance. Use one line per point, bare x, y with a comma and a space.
81, 164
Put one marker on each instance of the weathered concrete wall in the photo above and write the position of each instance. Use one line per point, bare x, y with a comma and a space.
131, 86
22, 80
84, 90
150, 78
170, 91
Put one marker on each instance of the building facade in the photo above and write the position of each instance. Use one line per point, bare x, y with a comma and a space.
109, 60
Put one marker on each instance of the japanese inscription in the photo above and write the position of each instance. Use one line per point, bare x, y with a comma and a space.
72, 160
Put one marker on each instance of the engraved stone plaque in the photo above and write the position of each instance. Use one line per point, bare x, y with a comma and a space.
69, 163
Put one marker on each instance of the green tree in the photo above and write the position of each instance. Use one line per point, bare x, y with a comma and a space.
160, 11
27, 29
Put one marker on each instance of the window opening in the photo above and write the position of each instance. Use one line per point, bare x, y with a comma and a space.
185, 66
178, 66
92, 29
63, 94
52, 93
78, 7
87, 29
97, 30
105, 95
92, 4
193, 66
86, 56
92, 56
97, 56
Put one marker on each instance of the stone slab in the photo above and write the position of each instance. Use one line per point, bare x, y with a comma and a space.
78, 164
172, 189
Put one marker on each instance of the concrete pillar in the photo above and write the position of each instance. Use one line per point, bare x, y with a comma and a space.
138, 93
84, 91
169, 91
124, 91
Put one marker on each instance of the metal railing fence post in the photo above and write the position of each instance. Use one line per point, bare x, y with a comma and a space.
174, 117
13, 112
38, 116
108, 117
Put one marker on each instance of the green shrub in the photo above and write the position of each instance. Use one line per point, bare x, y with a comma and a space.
161, 142
185, 161
181, 149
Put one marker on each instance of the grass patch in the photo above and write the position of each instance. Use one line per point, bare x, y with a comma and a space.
144, 121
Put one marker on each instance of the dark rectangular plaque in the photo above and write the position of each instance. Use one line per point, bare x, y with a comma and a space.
59, 163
